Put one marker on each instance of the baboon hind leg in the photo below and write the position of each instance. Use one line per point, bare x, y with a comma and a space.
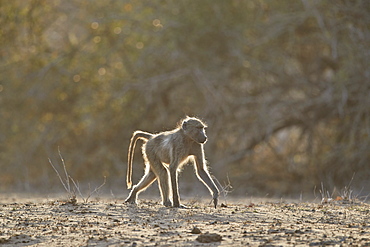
163, 182
148, 178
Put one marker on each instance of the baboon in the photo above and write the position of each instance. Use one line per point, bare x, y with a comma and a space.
164, 154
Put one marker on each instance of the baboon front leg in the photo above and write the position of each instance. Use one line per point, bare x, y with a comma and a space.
205, 177
148, 178
174, 185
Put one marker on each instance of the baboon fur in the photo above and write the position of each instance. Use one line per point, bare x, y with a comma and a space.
164, 154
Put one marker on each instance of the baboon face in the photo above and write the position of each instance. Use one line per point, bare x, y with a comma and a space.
195, 130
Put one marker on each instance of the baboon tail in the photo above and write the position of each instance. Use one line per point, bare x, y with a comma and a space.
145, 136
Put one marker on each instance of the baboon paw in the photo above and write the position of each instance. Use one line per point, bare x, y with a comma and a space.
130, 201
178, 205
167, 204
215, 201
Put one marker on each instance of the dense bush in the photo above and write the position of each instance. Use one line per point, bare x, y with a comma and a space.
283, 85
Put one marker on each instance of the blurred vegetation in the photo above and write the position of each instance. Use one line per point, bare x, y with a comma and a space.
283, 85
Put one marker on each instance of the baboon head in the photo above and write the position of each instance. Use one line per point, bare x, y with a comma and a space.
195, 129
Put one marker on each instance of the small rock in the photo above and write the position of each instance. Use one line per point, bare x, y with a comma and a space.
196, 230
3, 240
209, 237
273, 231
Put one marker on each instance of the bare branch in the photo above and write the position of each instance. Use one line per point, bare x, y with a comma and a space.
60, 178
65, 170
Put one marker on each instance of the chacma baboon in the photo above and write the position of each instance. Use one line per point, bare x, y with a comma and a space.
164, 154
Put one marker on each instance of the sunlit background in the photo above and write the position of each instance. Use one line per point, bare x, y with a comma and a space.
283, 85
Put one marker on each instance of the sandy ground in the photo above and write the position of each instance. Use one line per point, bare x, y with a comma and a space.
109, 222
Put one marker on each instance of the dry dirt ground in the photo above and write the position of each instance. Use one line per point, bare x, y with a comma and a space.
109, 222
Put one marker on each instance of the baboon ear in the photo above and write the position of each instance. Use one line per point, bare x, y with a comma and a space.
184, 125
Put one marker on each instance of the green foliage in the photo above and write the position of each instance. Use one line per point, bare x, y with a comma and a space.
283, 85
